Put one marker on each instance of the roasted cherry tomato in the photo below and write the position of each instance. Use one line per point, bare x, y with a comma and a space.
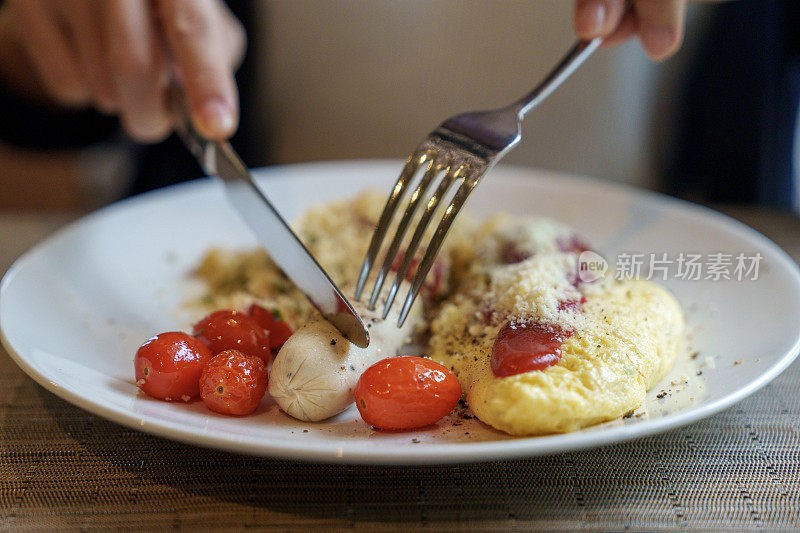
232, 330
233, 383
168, 366
526, 347
279, 330
406, 392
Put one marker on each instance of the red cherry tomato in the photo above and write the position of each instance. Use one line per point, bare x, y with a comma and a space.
433, 281
233, 383
232, 330
572, 305
525, 348
168, 366
279, 330
511, 253
406, 393
573, 244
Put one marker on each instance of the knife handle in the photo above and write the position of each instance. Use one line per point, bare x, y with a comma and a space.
198, 145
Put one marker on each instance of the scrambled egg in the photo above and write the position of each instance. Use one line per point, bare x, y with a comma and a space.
626, 335
337, 234
630, 338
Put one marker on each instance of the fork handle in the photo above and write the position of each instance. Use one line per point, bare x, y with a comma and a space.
579, 53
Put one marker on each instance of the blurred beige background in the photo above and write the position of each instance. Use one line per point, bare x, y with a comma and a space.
370, 78
345, 79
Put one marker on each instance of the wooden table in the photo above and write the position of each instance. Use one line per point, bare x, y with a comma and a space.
61, 467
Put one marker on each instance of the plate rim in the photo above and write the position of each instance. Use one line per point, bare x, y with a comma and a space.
429, 453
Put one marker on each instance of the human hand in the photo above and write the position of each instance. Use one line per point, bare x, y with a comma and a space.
120, 55
659, 24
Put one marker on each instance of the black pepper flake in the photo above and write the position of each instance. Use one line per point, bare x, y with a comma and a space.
694, 354
333, 342
661, 394
352, 367
629, 414
699, 372
415, 441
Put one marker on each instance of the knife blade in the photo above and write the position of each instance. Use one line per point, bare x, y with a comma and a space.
273, 233
285, 248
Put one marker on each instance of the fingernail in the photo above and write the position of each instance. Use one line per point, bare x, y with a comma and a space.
658, 41
591, 19
217, 118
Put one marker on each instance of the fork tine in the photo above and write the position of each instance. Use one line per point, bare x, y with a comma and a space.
463, 192
434, 167
412, 165
422, 226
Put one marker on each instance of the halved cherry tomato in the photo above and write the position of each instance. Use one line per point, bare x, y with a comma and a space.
169, 365
279, 330
231, 330
526, 347
406, 392
233, 383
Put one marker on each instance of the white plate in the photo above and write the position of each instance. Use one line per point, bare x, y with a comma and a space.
74, 310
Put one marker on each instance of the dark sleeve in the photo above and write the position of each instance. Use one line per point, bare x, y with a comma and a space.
26, 124
739, 108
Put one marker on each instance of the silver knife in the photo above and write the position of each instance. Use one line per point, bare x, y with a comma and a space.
272, 231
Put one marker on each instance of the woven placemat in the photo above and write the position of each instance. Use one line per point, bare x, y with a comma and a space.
61, 467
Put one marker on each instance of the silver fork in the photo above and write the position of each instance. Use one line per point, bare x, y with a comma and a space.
463, 148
